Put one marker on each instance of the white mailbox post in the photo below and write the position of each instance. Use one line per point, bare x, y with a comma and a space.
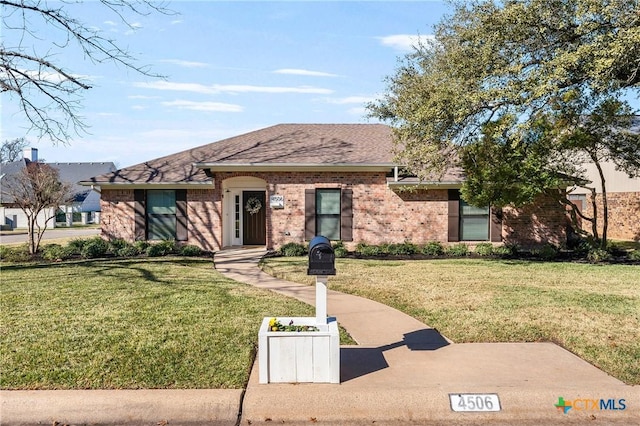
304, 356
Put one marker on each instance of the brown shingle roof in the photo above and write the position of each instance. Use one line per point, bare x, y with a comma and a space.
283, 144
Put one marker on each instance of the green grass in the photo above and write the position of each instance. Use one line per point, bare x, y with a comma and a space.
592, 310
128, 324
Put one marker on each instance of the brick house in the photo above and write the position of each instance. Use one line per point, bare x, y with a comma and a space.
290, 182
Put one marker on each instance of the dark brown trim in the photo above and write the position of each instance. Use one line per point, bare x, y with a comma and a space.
453, 233
140, 214
495, 226
181, 215
346, 215
309, 214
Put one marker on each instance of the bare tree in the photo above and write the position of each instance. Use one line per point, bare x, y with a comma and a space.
38, 192
11, 150
48, 94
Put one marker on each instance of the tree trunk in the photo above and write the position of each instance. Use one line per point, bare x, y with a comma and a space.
605, 208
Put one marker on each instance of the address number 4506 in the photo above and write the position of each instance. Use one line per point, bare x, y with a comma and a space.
474, 402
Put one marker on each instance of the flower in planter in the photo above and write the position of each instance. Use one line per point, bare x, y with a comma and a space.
275, 325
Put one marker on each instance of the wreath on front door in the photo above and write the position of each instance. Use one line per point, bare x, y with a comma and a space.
253, 205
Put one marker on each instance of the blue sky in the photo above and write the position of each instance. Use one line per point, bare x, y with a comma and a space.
231, 67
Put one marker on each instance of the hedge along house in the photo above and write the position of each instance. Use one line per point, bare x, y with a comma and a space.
290, 182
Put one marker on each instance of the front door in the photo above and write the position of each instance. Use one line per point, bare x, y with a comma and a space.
254, 224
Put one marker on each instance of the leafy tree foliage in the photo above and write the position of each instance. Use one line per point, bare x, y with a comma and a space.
36, 189
520, 93
33, 74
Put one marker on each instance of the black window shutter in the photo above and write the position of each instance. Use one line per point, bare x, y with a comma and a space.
140, 215
495, 230
309, 214
346, 215
454, 215
181, 215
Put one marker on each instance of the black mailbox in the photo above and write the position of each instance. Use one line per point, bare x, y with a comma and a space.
322, 259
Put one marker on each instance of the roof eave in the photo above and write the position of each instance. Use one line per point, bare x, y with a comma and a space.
147, 185
404, 186
296, 167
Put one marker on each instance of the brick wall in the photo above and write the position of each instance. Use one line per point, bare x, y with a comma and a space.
545, 221
624, 215
380, 215
117, 218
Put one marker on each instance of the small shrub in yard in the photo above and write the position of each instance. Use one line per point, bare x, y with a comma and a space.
95, 247
53, 252
127, 251
368, 250
506, 250
484, 249
116, 245
596, 255
190, 250
458, 250
75, 245
634, 255
293, 250
141, 246
403, 249
15, 254
433, 248
546, 252
340, 250
162, 248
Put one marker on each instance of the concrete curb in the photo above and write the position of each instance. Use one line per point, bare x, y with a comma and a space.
120, 407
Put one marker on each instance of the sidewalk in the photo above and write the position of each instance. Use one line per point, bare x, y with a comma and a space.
402, 371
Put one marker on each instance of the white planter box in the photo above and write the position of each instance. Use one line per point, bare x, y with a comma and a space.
299, 357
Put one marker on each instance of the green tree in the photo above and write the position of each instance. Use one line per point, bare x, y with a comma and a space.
38, 192
520, 94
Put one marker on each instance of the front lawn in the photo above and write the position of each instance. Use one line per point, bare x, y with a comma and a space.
127, 324
592, 310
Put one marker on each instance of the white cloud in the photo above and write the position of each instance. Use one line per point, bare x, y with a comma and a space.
138, 107
216, 89
404, 42
204, 106
113, 24
295, 71
185, 64
177, 21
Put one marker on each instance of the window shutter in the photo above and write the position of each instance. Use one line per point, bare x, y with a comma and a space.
140, 215
454, 215
346, 215
181, 215
309, 214
495, 230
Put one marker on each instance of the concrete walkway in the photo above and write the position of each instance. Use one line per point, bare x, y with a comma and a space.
403, 371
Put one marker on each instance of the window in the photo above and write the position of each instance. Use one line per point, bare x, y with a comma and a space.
474, 222
328, 213
161, 214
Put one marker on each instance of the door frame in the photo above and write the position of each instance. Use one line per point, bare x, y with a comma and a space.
232, 188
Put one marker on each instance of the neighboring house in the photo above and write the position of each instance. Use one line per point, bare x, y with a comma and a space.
85, 203
290, 182
623, 201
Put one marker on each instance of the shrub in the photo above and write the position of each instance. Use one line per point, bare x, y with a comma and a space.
141, 246
95, 247
368, 250
53, 252
546, 252
190, 250
506, 250
634, 255
596, 255
15, 254
76, 245
129, 250
433, 248
162, 248
340, 250
458, 250
116, 245
484, 249
293, 250
403, 249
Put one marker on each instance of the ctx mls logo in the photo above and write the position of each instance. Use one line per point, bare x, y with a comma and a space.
585, 404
